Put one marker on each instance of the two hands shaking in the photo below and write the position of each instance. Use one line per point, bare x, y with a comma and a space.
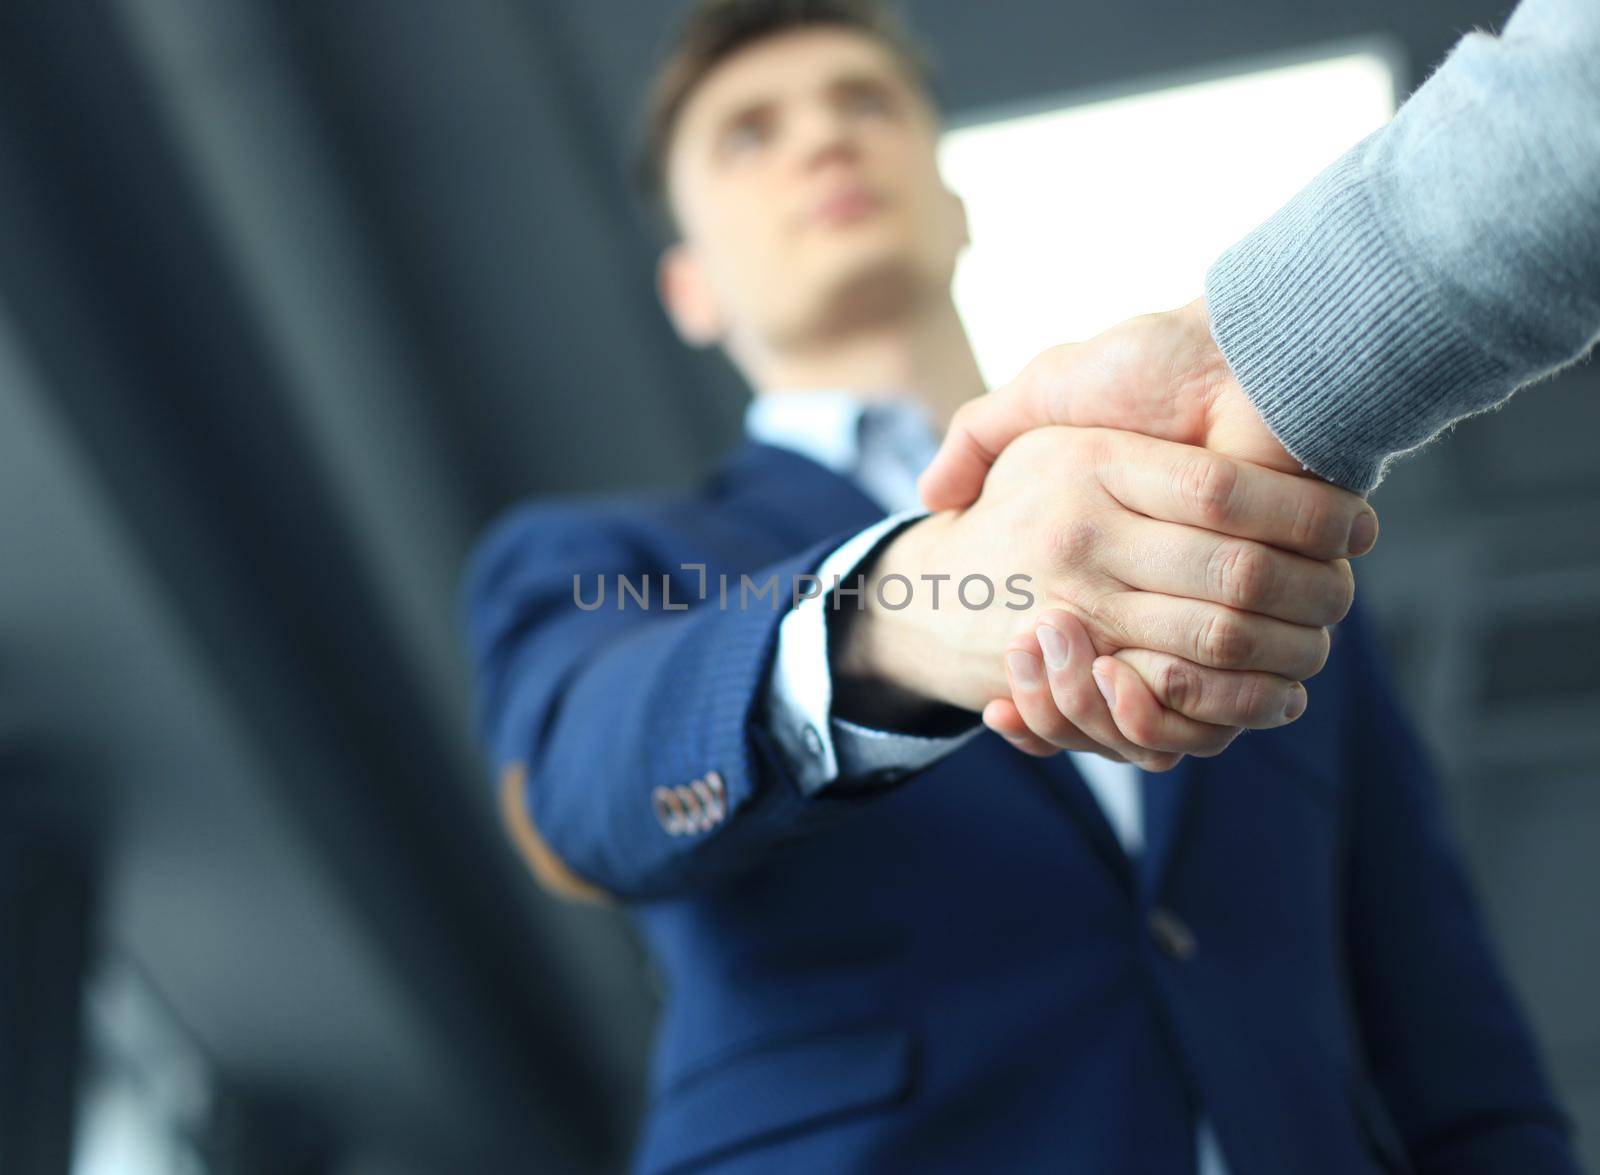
1184, 566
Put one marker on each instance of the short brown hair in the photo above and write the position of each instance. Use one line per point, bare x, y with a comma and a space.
714, 30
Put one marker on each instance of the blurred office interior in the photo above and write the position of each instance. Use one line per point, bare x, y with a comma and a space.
295, 295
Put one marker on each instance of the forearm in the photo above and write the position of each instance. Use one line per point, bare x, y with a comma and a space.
646, 767
1440, 264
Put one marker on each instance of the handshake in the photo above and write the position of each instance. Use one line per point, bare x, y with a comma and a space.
1181, 566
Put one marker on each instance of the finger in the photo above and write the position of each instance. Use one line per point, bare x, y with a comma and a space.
1030, 693
1068, 654
1181, 483
1143, 720
1214, 634
1179, 560
1001, 716
1256, 701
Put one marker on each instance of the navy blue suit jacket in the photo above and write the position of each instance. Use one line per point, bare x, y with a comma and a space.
962, 971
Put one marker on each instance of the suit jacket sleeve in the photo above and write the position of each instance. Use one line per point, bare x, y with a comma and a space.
594, 716
1448, 1050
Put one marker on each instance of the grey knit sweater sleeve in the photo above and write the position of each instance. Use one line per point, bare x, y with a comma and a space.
1442, 262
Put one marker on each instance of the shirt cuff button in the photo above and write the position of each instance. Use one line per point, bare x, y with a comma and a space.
812, 741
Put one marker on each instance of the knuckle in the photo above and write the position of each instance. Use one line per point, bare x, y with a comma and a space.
1242, 574
1225, 641
1073, 543
1208, 485
1175, 685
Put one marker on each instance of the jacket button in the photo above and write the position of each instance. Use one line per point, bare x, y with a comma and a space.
1172, 935
710, 809
669, 811
719, 795
694, 817
812, 741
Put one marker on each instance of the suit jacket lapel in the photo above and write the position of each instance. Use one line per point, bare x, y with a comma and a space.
1067, 784
1296, 756
1166, 797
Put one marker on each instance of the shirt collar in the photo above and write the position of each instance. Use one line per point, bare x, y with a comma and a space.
826, 424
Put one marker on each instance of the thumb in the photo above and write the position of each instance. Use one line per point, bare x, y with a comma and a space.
978, 432
1155, 374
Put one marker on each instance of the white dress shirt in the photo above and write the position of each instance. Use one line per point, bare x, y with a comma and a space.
882, 446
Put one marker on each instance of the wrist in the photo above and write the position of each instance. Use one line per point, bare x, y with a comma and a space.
1233, 424
1212, 375
882, 649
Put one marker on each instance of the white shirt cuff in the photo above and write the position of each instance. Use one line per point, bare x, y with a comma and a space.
819, 748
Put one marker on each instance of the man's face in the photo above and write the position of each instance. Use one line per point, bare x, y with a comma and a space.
804, 181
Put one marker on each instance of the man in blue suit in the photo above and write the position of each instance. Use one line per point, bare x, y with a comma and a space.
894, 940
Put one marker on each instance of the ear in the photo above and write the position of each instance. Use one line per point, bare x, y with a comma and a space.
687, 297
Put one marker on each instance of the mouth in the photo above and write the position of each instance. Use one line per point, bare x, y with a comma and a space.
845, 206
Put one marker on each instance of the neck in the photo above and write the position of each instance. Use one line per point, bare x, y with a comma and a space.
923, 353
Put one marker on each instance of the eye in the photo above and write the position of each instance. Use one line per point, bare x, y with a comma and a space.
747, 134
868, 99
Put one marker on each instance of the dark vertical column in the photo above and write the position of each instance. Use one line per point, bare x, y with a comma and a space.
45, 908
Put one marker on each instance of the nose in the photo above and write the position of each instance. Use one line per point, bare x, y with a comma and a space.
823, 136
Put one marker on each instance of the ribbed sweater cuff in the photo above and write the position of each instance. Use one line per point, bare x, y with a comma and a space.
1342, 342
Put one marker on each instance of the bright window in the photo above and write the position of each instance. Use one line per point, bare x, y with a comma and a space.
1085, 213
